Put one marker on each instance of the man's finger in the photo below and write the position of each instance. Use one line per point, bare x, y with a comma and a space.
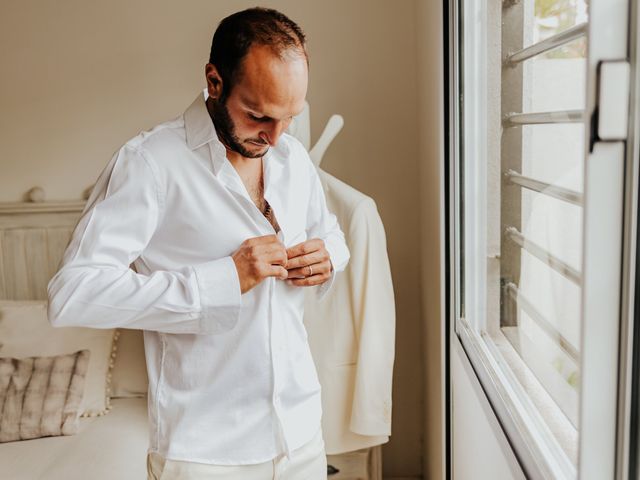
277, 271
307, 281
307, 259
273, 253
303, 272
305, 247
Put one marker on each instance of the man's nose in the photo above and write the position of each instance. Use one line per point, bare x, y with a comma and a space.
272, 135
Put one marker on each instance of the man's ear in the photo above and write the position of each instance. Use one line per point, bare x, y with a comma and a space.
214, 81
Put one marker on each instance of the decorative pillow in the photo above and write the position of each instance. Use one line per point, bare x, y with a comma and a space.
129, 375
40, 396
25, 331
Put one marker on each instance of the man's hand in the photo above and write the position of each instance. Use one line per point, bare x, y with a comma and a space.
259, 258
308, 263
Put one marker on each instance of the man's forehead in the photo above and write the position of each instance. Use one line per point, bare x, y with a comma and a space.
271, 84
265, 108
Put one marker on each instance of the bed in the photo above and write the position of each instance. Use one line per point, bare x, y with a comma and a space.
33, 236
105, 448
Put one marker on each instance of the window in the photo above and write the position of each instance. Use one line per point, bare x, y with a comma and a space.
523, 73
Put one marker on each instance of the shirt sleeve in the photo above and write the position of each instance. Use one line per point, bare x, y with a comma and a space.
322, 223
95, 286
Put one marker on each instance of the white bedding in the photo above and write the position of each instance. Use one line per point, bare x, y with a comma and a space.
110, 447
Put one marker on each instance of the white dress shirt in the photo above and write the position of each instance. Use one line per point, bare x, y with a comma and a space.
231, 376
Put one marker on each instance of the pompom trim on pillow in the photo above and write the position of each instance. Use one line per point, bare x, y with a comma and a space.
112, 361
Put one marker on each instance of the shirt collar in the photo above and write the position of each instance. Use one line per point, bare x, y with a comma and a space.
200, 130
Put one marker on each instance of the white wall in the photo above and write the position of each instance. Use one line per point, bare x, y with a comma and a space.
80, 78
480, 448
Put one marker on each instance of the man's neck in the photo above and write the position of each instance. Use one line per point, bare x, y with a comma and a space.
237, 160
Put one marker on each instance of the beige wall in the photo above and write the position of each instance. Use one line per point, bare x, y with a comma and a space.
80, 78
431, 102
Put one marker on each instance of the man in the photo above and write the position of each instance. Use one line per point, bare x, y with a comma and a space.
224, 219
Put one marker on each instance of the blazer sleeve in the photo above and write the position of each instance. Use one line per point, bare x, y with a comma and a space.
322, 223
374, 321
94, 286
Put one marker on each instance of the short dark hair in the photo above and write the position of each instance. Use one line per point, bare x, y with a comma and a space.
238, 32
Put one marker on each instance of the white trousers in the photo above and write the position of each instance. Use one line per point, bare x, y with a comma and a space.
308, 462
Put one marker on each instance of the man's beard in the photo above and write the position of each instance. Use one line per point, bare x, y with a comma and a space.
226, 129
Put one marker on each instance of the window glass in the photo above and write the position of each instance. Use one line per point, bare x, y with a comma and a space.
521, 173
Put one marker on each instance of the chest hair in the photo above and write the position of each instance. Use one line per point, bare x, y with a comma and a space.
254, 185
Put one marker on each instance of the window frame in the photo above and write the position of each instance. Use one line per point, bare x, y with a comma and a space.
528, 446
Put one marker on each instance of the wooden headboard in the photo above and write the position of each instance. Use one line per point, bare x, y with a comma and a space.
33, 237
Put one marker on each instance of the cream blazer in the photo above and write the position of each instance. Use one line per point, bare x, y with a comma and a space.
351, 331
